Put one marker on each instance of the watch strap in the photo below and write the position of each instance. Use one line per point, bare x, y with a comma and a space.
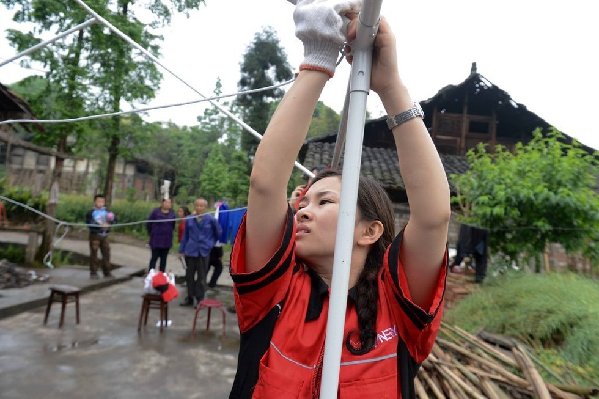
414, 112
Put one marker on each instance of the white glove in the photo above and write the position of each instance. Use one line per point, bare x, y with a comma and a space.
321, 27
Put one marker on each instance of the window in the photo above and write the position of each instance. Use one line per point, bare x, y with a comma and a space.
478, 127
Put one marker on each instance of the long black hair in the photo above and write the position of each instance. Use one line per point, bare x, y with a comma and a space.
373, 204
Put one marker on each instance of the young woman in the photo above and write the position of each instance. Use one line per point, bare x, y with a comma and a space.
282, 264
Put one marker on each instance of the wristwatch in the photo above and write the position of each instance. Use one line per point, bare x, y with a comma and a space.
403, 117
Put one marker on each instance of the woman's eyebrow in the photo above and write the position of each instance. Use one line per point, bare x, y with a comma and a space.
318, 194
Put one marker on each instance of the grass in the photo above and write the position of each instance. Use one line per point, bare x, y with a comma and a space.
556, 314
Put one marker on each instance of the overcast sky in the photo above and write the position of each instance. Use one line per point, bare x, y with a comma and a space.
545, 54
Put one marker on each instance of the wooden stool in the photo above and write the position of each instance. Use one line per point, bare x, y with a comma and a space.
66, 293
209, 304
153, 301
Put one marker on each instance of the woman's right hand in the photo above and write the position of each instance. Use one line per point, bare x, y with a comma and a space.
385, 73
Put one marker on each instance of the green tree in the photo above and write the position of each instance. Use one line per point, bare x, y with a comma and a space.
541, 193
264, 64
91, 70
182, 150
239, 178
212, 121
324, 121
62, 94
215, 174
122, 74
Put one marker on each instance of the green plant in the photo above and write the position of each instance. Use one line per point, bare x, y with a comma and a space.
130, 194
542, 192
13, 253
61, 258
18, 214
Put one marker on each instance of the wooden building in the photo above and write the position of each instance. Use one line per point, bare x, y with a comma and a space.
458, 117
26, 164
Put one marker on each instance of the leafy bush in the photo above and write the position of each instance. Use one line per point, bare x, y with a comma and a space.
555, 313
13, 253
16, 213
542, 192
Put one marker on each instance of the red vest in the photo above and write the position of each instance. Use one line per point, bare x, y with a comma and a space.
282, 313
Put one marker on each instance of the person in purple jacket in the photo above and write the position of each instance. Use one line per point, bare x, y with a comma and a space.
161, 233
201, 232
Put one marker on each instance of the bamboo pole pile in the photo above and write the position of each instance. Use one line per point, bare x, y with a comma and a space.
463, 366
459, 285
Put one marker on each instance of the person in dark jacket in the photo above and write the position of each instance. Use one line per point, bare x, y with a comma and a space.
161, 225
201, 232
216, 254
473, 241
99, 220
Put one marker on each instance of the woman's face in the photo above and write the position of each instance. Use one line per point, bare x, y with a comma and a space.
317, 220
180, 213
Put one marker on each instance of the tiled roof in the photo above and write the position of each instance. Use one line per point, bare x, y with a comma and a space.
11, 102
378, 163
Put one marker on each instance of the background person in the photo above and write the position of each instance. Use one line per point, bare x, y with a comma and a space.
99, 220
215, 260
182, 212
298, 191
3, 215
200, 235
161, 233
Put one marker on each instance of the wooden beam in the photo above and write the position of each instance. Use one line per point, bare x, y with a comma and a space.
462, 150
7, 137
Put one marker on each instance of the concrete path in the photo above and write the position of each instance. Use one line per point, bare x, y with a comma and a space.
131, 260
105, 357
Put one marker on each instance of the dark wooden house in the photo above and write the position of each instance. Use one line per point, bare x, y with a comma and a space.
461, 116
458, 117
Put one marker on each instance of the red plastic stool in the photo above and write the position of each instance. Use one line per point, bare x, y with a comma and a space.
210, 304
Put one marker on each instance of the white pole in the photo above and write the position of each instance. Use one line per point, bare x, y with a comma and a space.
359, 88
157, 61
42, 44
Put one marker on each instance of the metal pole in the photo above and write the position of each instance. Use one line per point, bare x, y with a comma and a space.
42, 44
157, 61
359, 88
340, 142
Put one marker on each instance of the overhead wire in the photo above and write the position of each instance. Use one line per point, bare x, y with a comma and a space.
98, 19
138, 110
152, 57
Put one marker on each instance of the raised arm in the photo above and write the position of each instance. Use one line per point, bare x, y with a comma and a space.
273, 163
321, 28
425, 236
